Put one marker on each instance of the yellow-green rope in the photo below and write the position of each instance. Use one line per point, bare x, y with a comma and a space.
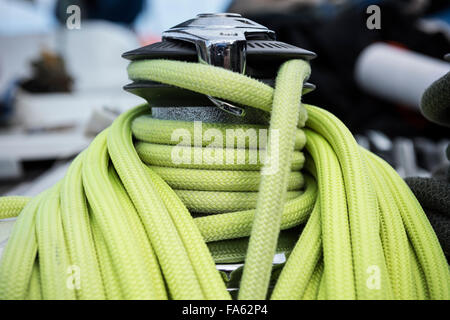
136, 225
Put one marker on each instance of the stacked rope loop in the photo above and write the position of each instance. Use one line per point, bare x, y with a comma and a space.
136, 225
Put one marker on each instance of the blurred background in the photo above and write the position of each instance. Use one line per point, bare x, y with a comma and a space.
61, 81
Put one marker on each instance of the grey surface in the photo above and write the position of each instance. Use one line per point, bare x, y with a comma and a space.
209, 114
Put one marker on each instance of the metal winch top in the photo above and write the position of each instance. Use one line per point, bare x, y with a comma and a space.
224, 40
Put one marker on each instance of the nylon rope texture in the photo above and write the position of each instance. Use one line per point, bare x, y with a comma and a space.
139, 226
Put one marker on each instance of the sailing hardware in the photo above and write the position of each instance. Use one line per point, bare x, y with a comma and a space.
224, 40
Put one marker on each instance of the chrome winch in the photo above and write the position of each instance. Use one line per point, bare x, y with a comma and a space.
225, 40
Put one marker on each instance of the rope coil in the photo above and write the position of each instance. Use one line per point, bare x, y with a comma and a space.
137, 226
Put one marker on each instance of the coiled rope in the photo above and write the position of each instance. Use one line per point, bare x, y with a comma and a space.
139, 226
